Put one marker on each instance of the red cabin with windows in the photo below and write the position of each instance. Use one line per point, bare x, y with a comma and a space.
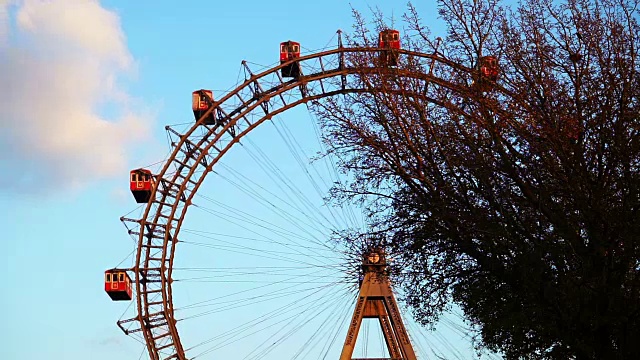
389, 40
201, 102
488, 66
290, 50
486, 73
117, 284
141, 185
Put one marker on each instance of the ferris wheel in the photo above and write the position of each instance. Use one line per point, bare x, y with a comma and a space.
266, 283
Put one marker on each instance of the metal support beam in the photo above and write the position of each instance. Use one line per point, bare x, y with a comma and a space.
376, 301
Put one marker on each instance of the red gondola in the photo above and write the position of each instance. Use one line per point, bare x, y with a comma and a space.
141, 185
117, 284
486, 73
290, 50
201, 101
488, 66
389, 40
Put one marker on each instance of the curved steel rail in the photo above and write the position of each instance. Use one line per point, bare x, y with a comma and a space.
194, 156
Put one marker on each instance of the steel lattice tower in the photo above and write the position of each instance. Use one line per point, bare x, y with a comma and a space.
376, 301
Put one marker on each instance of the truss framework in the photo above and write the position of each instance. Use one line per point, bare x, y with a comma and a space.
197, 149
376, 301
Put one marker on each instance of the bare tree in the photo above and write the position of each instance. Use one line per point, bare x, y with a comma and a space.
514, 196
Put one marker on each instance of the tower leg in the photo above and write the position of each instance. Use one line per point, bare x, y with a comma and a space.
376, 300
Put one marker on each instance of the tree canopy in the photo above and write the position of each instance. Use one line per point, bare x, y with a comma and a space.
516, 199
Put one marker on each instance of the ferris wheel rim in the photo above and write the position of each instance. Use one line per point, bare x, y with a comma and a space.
150, 219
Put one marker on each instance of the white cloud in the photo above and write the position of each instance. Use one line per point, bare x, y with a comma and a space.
59, 70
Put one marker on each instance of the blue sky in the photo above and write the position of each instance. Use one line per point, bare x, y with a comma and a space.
88, 88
